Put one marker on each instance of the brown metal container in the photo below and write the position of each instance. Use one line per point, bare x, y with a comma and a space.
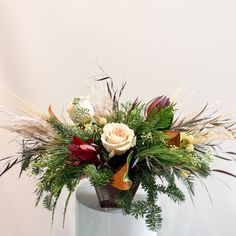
107, 195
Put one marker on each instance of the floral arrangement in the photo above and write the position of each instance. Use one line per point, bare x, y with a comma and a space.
119, 147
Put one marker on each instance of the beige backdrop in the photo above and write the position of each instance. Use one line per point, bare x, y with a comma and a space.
48, 47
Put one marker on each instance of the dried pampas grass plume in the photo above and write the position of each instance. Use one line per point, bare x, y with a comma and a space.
24, 118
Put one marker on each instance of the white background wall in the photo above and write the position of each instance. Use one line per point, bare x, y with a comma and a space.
48, 46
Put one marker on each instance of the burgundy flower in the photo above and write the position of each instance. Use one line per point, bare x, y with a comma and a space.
81, 152
157, 103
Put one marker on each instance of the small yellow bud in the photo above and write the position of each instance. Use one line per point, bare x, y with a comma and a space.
184, 174
88, 127
102, 121
190, 138
190, 148
183, 136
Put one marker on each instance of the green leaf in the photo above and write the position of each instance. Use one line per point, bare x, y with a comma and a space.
126, 175
162, 120
159, 120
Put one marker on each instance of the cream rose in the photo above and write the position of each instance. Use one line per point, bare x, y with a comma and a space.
117, 138
83, 103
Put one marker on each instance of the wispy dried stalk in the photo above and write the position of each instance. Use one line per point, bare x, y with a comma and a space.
207, 128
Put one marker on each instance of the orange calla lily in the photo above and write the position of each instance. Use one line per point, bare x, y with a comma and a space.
120, 179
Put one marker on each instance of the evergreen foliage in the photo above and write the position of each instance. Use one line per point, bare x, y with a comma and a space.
98, 177
149, 208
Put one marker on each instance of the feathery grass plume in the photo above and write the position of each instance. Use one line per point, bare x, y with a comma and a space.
22, 117
14, 103
27, 127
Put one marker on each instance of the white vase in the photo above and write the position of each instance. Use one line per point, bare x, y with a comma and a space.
92, 220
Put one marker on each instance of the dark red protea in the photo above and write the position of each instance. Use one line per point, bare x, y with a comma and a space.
81, 152
157, 103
